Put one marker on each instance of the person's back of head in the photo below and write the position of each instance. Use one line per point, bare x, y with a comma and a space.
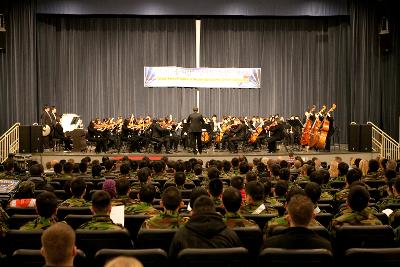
284, 164
396, 185
213, 173
78, 187
9, 166
281, 188
101, 202
26, 189
300, 210
68, 167
343, 168
373, 165
203, 205
122, 186
297, 164
180, 178
157, 166
124, 169
295, 190
171, 198
134, 165
83, 167
147, 193
391, 165
251, 176
235, 163
196, 193
255, 190
353, 175
215, 187
143, 174
197, 169
226, 165
244, 167
317, 177
390, 174
180, 166
36, 170
358, 197
232, 199
313, 191
123, 261
46, 204
57, 168
260, 167
58, 245
109, 164
237, 182
275, 169
284, 174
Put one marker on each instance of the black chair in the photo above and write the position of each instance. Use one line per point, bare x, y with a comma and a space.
186, 193
260, 219
33, 258
16, 239
62, 212
338, 184
17, 220
76, 220
148, 257
225, 180
295, 257
376, 236
133, 224
375, 184
55, 185
26, 211
213, 257
251, 238
155, 238
393, 206
388, 257
382, 217
327, 208
324, 218
328, 201
303, 184
320, 230
375, 194
91, 241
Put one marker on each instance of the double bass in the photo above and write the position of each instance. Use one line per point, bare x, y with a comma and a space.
314, 130
305, 138
323, 131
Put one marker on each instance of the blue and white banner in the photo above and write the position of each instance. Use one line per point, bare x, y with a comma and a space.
202, 77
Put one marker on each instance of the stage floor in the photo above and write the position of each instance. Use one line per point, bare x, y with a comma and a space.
340, 151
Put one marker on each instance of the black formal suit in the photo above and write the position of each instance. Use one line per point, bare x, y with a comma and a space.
196, 121
59, 134
298, 238
276, 135
160, 135
238, 134
98, 137
46, 119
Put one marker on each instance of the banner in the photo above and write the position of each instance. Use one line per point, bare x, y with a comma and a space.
202, 77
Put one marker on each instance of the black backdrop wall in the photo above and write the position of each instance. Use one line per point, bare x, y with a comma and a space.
93, 66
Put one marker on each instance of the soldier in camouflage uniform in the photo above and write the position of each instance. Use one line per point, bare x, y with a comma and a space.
255, 200
395, 199
358, 212
78, 190
279, 191
46, 206
96, 172
169, 218
178, 181
144, 177
144, 206
373, 171
232, 200
101, 208
159, 171
215, 189
352, 176
122, 198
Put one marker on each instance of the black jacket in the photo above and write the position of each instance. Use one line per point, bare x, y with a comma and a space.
298, 238
203, 231
196, 122
58, 131
240, 131
157, 131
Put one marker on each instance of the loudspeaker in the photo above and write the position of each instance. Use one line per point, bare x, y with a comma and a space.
36, 139
365, 138
354, 135
24, 139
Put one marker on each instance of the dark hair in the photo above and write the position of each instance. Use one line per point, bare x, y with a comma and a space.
68, 167
284, 164
235, 162
309, 170
197, 192
143, 174
122, 186
78, 187
57, 168
75, 168
267, 187
197, 169
9, 165
96, 170
147, 193
343, 168
157, 166
215, 187
36, 170
373, 165
101, 200
251, 176
213, 173
237, 182
180, 167
295, 190
261, 167
203, 204
358, 197
124, 168
171, 198
284, 174
281, 188
275, 169
134, 165
83, 167
244, 167
353, 175
396, 184
180, 178
255, 190
390, 174
46, 204
226, 165
109, 164
313, 191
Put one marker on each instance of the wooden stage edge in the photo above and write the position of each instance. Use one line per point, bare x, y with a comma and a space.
208, 155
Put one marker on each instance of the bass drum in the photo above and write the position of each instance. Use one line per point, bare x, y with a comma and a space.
46, 130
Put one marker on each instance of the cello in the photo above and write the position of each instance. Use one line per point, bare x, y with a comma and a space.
323, 132
305, 138
314, 129
256, 133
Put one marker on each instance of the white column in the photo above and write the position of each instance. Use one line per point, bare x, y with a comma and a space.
198, 27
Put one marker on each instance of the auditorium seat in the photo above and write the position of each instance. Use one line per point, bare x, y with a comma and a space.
76, 220
338, 184
327, 208
320, 230
91, 241
375, 184
186, 193
27, 211
388, 257
133, 224
303, 184
62, 212
374, 236
278, 257
213, 257
260, 219
393, 206
33, 258
251, 238
61, 194
375, 194
155, 238
155, 257
324, 218
16, 239
226, 180
55, 185
17, 220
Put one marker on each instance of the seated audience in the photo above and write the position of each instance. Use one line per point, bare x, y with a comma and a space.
255, 200
352, 176
25, 196
78, 190
123, 189
110, 188
36, 172
123, 261
144, 207
215, 189
96, 171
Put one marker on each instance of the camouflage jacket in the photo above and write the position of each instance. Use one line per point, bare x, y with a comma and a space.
123, 200
3, 222
350, 217
341, 196
250, 208
387, 201
282, 221
302, 179
373, 176
75, 202
141, 208
326, 196
217, 201
40, 223
165, 220
234, 219
101, 222
159, 176
274, 201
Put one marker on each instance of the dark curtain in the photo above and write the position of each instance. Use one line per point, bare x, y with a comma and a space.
304, 61
94, 66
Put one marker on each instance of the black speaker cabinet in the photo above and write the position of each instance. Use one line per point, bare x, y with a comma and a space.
24, 139
354, 137
365, 138
36, 139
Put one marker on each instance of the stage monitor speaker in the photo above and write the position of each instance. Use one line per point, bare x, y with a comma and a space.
36, 139
354, 137
24, 139
365, 138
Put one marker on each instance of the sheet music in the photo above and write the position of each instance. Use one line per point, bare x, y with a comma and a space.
117, 214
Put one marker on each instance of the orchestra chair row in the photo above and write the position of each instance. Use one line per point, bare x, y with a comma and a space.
33, 258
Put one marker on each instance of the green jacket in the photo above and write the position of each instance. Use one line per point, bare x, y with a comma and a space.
234, 219
101, 222
141, 208
40, 223
249, 208
75, 202
165, 220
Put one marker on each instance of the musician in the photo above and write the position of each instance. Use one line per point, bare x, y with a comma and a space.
196, 122
215, 129
131, 136
160, 135
185, 134
237, 133
331, 131
276, 134
53, 115
309, 114
46, 121
97, 136
59, 134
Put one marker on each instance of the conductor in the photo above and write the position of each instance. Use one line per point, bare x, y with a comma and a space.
196, 121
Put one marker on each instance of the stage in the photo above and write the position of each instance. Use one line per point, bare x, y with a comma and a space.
340, 151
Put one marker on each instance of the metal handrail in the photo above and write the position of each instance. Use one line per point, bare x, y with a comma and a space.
9, 142
384, 144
